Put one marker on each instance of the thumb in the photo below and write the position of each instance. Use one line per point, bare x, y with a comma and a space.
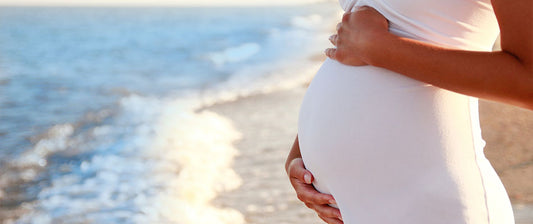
297, 170
331, 53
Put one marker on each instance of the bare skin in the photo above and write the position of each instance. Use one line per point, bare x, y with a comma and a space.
301, 180
505, 76
362, 38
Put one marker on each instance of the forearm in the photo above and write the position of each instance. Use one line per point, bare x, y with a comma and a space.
498, 76
293, 154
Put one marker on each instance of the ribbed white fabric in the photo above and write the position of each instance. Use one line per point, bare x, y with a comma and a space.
393, 150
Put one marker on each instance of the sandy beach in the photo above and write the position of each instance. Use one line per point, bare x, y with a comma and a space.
268, 124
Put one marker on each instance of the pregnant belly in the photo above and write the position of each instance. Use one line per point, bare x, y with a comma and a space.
363, 114
380, 135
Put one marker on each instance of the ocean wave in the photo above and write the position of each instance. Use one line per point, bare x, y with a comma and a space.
234, 54
313, 21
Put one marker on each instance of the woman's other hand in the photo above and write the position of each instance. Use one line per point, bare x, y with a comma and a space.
356, 34
301, 180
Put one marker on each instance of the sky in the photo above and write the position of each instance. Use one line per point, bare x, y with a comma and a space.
152, 2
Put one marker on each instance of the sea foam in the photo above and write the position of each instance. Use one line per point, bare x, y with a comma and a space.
163, 160
167, 165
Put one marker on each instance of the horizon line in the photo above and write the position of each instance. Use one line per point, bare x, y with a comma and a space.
156, 4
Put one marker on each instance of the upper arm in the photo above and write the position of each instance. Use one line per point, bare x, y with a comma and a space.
515, 18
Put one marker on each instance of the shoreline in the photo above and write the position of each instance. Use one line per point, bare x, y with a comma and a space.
268, 122
268, 126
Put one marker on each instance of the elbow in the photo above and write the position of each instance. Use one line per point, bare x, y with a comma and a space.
527, 103
528, 88
522, 90
524, 93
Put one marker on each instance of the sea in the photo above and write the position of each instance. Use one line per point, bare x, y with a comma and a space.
102, 114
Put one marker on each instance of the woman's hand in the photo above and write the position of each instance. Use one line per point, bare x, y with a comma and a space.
356, 34
301, 180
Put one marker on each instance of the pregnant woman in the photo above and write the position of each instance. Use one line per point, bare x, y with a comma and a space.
388, 130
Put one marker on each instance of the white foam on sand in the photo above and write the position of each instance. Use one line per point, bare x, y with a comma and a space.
166, 164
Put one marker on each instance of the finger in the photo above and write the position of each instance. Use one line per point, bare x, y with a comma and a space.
331, 220
331, 53
339, 25
297, 170
333, 39
327, 211
308, 194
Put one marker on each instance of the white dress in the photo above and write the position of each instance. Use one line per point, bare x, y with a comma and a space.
393, 150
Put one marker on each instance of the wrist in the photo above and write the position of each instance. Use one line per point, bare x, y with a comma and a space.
376, 46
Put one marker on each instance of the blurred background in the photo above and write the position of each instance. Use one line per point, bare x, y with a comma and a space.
175, 111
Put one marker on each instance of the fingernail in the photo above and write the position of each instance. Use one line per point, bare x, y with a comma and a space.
332, 201
340, 217
307, 178
331, 38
